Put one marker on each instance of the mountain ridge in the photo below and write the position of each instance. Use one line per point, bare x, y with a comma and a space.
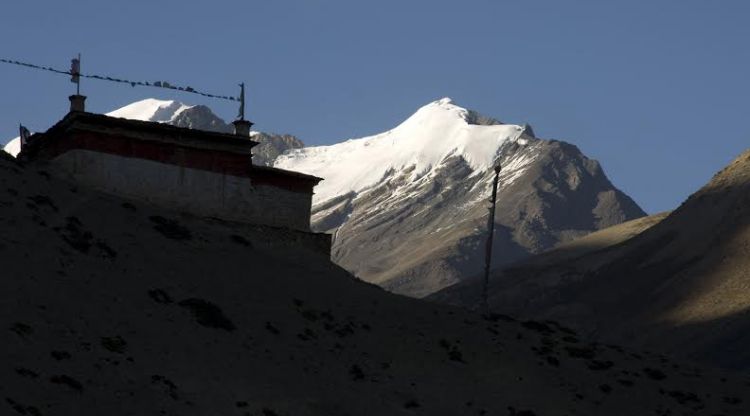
414, 142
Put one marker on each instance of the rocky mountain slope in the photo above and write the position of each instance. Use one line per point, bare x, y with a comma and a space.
408, 207
681, 285
115, 307
195, 117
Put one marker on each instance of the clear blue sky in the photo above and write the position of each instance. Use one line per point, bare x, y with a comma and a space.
657, 91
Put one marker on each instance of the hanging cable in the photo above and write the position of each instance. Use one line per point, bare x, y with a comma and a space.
156, 84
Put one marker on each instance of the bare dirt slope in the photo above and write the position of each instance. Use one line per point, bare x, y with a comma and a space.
682, 286
597, 240
110, 307
469, 292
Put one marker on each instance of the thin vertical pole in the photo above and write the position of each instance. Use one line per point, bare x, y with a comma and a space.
242, 101
490, 237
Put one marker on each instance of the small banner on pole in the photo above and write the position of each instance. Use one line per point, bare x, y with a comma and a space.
75, 70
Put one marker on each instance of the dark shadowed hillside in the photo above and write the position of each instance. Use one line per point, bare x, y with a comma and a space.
114, 307
680, 286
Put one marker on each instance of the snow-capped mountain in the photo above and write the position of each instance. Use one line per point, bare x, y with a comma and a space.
434, 133
194, 117
408, 207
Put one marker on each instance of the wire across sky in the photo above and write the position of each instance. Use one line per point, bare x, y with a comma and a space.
155, 84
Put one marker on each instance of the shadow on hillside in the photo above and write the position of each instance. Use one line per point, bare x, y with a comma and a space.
618, 293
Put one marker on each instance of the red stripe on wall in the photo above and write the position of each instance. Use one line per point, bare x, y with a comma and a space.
217, 161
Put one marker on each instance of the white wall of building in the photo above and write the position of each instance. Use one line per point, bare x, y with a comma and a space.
196, 191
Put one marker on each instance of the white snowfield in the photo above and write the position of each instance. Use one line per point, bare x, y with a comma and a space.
150, 109
13, 147
435, 132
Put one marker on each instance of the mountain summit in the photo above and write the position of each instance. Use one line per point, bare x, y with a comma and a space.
408, 207
437, 131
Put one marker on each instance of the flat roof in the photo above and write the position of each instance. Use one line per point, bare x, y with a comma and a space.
284, 172
154, 131
151, 131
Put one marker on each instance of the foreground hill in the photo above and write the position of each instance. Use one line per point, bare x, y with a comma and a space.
116, 308
680, 286
408, 207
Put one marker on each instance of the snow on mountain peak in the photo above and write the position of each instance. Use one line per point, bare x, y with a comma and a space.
433, 133
470, 116
446, 107
151, 109
13, 147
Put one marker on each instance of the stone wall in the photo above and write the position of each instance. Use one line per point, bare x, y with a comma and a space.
195, 191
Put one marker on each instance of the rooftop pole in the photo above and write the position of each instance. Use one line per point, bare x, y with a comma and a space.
77, 101
242, 101
242, 126
490, 237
